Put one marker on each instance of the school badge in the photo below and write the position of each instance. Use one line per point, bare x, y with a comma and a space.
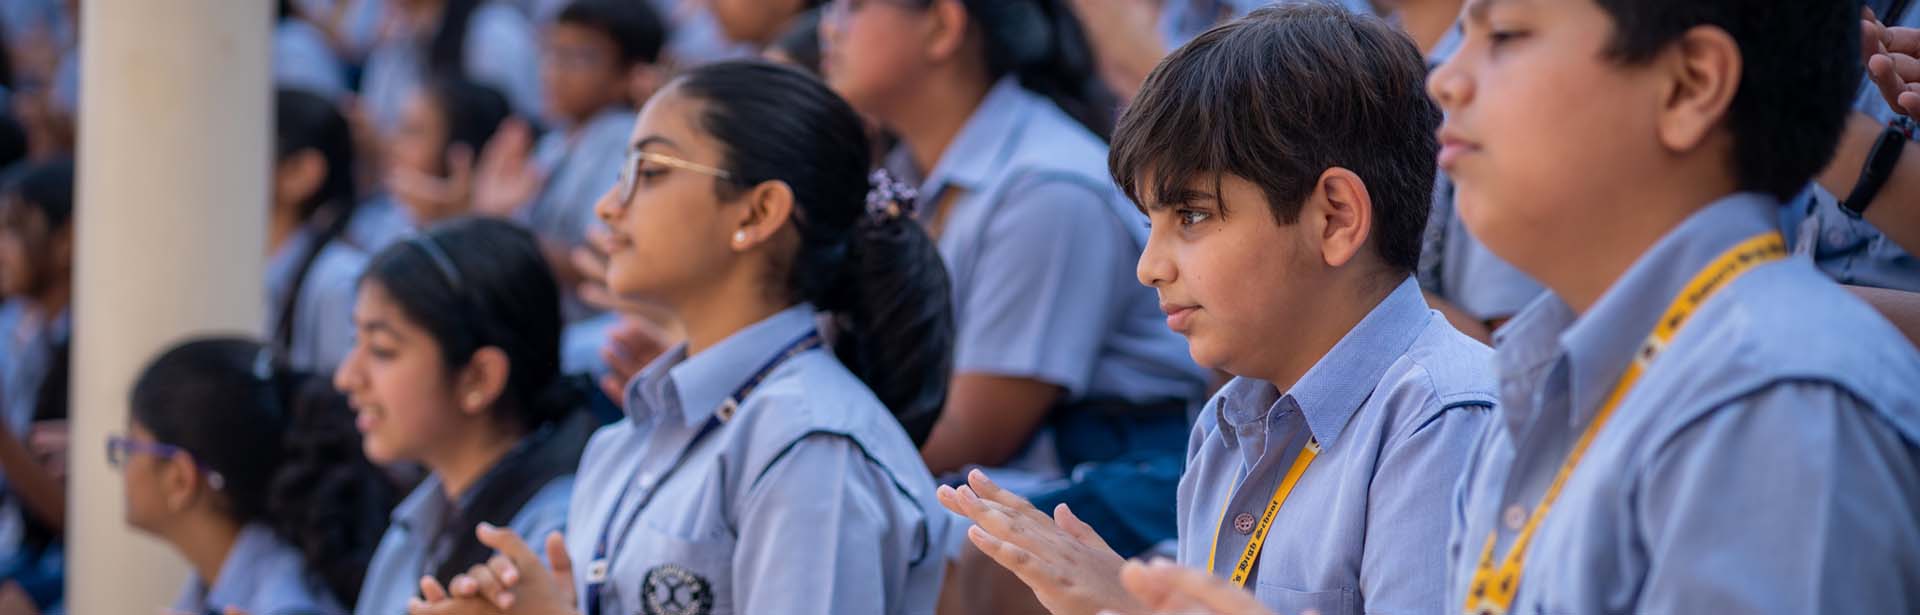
672, 590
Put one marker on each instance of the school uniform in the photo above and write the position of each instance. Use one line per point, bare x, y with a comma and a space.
302, 59
418, 537
801, 496
1181, 20
577, 163
26, 357
377, 223
323, 313
262, 575
1764, 461
1393, 409
1454, 265
500, 52
1041, 246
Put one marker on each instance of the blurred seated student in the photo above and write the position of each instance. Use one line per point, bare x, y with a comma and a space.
302, 58
429, 159
313, 263
476, 40
253, 474
593, 52
799, 44
1130, 36
36, 269
1860, 218
456, 367
758, 23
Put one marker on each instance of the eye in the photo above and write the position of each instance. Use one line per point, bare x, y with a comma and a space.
1190, 217
649, 175
1499, 38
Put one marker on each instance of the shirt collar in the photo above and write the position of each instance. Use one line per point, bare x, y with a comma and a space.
693, 388
423, 508
985, 141
252, 549
1335, 387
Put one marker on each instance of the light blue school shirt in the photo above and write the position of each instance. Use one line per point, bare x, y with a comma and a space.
1764, 463
262, 575
377, 223
1847, 248
580, 165
809, 500
1041, 249
1396, 406
393, 577
501, 52
1181, 20
303, 60
25, 359
323, 317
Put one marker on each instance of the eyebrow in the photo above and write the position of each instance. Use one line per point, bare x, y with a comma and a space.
377, 326
652, 140
1184, 197
1477, 9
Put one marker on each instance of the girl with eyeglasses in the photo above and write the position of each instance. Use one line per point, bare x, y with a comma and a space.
767, 465
252, 473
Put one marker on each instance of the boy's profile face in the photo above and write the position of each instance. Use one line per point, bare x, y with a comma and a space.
1545, 132
1229, 282
581, 72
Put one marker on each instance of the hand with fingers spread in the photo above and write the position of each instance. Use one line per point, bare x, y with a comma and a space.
513, 582
507, 178
1893, 62
430, 199
1171, 589
1069, 567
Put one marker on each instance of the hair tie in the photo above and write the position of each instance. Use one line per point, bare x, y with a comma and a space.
889, 198
439, 257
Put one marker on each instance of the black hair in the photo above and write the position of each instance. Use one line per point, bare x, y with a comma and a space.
447, 48
880, 276
307, 122
1041, 43
47, 187
633, 26
801, 41
472, 111
480, 282
1800, 65
284, 445
1350, 94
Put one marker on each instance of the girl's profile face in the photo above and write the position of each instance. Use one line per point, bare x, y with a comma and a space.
397, 381
873, 51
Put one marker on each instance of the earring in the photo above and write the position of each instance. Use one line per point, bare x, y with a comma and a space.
475, 398
739, 237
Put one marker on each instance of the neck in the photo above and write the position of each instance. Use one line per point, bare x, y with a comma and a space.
1349, 297
730, 308
929, 122
206, 541
1427, 21
1612, 244
467, 459
282, 223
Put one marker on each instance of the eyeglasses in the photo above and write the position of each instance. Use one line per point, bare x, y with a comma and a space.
630, 172
120, 448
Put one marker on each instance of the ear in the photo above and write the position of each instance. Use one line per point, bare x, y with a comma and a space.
1704, 70
180, 482
1340, 211
483, 381
768, 207
947, 28
302, 173
643, 80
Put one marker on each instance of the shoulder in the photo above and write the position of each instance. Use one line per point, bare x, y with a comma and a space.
1442, 373
546, 511
814, 395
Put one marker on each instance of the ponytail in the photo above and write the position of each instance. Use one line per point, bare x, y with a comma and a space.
865, 260
1040, 43
326, 498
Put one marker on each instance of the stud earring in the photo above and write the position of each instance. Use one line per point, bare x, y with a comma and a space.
739, 237
475, 398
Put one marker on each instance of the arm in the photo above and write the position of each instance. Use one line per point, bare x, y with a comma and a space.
1896, 210
815, 531
1836, 485
1408, 516
987, 420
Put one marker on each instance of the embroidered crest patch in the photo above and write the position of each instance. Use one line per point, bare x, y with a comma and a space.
672, 590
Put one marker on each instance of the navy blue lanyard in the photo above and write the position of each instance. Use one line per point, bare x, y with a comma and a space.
599, 569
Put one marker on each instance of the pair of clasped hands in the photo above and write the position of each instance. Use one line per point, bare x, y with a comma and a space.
1070, 568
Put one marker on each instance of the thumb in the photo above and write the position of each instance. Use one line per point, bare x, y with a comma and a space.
459, 163
558, 559
1078, 529
508, 544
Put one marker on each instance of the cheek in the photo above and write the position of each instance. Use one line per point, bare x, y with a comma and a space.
866, 65
670, 248
413, 409
741, 20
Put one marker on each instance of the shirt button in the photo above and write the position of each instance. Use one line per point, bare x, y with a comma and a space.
646, 480
1516, 517
1243, 523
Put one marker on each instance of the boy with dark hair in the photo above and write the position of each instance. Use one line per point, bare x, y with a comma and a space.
1287, 203
1756, 452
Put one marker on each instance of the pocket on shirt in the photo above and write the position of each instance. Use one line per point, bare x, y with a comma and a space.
1295, 602
678, 576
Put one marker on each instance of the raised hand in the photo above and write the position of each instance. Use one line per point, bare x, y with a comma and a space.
1069, 567
1169, 589
507, 178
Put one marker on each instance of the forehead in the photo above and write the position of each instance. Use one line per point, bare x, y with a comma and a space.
671, 119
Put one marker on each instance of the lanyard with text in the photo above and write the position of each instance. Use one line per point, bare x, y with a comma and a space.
1243, 568
598, 571
1494, 587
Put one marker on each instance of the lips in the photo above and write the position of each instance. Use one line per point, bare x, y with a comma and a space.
1454, 146
1179, 317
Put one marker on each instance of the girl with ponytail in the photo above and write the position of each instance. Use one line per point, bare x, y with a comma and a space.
457, 368
767, 465
313, 263
254, 474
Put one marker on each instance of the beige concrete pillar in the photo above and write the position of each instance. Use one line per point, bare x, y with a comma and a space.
174, 134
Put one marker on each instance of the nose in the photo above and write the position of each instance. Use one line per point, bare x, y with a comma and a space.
345, 377
609, 206
1449, 85
1156, 267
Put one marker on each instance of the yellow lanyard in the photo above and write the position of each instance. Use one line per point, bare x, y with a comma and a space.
1244, 567
1494, 588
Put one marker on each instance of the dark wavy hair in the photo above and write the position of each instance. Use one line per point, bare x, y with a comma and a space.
283, 442
1040, 42
880, 276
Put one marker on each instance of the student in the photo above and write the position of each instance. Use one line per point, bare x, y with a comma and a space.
758, 23
430, 158
758, 470
251, 473
476, 40
36, 269
456, 368
302, 58
1061, 357
591, 52
1631, 476
312, 265
1287, 202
